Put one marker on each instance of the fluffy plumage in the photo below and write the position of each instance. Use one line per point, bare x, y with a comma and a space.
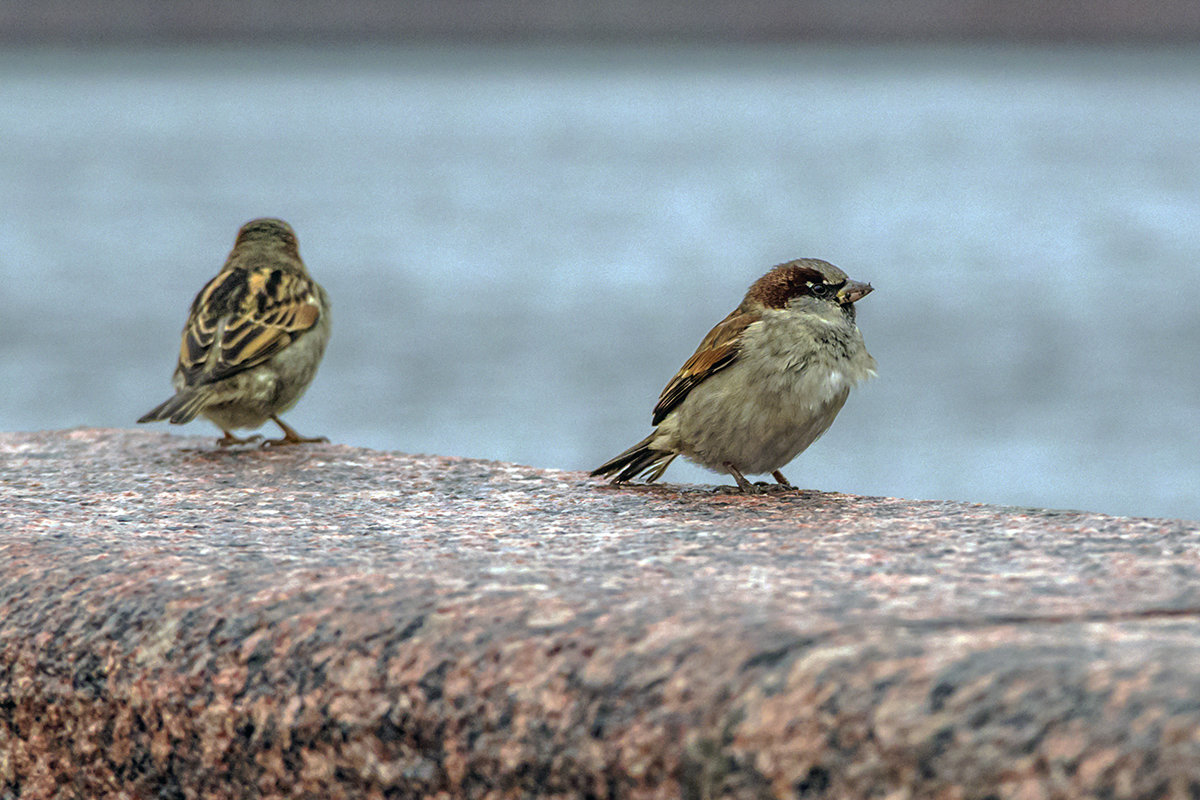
253, 339
764, 384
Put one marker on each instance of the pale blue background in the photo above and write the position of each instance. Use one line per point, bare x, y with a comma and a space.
523, 245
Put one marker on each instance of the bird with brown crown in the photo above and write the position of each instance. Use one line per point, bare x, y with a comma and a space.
253, 340
764, 384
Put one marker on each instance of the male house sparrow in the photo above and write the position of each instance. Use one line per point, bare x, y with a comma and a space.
253, 338
764, 384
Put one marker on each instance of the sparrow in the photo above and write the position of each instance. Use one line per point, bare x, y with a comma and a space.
764, 384
253, 339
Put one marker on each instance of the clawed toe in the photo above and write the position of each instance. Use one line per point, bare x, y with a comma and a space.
782, 481
761, 487
289, 440
229, 440
742, 483
290, 436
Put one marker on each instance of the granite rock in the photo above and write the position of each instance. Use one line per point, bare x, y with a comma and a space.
180, 621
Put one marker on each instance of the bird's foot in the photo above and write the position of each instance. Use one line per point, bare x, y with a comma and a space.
761, 487
290, 436
229, 440
746, 486
782, 481
284, 441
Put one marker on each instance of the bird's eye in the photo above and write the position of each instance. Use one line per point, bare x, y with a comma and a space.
818, 289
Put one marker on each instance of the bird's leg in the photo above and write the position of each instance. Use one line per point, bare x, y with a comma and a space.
742, 483
289, 435
782, 481
229, 440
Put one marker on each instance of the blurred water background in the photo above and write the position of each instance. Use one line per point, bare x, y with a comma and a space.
523, 243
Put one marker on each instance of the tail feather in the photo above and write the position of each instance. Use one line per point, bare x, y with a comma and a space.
181, 408
641, 458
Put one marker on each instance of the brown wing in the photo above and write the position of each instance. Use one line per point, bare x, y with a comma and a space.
718, 350
242, 318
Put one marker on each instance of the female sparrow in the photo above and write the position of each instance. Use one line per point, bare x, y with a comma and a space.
764, 384
253, 339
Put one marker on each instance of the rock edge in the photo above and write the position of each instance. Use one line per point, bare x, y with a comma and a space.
181, 621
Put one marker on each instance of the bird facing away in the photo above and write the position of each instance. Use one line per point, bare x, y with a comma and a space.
764, 384
253, 339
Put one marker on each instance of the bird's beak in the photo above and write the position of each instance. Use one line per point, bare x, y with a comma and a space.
853, 291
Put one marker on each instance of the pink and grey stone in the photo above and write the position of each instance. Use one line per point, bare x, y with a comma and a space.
181, 621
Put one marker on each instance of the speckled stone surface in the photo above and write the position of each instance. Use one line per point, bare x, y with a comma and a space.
178, 621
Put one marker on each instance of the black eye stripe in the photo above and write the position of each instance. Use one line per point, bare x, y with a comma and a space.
795, 279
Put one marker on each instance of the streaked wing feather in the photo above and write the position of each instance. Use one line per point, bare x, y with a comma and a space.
247, 317
215, 300
718, 350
